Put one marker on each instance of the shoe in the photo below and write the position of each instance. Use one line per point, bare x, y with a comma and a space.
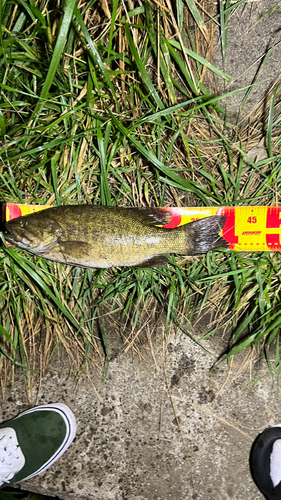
31, 442
265, 462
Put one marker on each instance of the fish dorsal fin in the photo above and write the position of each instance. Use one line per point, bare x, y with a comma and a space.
151, 216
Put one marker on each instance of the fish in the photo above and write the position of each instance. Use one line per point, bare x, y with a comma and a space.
104, 237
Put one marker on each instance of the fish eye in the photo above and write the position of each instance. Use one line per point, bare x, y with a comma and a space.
23, 223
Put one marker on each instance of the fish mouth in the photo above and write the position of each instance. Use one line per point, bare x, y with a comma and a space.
10, 235
14, 237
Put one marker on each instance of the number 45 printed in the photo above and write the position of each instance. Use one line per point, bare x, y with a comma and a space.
252, 220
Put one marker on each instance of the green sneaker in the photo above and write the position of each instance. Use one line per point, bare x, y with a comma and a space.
34, 440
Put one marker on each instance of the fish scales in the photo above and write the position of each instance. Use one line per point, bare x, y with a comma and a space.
103, 237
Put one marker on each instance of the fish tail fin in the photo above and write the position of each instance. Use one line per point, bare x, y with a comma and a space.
203, 235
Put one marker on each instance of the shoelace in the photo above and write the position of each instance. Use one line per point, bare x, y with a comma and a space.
8, 453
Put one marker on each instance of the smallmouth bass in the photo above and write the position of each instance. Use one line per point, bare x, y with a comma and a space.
103, 237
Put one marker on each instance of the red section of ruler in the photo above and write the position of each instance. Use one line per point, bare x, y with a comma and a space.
175, 219
228, 231
15, 211
273, 222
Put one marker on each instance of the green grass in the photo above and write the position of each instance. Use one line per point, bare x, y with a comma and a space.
115, 110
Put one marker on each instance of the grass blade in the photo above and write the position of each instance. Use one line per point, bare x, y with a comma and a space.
60, 43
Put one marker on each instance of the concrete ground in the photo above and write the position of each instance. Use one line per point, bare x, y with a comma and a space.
252, 54
163, 426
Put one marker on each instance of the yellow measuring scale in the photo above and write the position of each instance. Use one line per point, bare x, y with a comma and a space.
247, 229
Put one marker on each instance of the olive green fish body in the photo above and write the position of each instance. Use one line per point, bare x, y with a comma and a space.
103, 237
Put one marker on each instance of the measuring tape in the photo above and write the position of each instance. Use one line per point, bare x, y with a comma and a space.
247, 229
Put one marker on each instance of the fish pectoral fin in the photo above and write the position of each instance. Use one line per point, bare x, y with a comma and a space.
151, 216
159, 260
74, 248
